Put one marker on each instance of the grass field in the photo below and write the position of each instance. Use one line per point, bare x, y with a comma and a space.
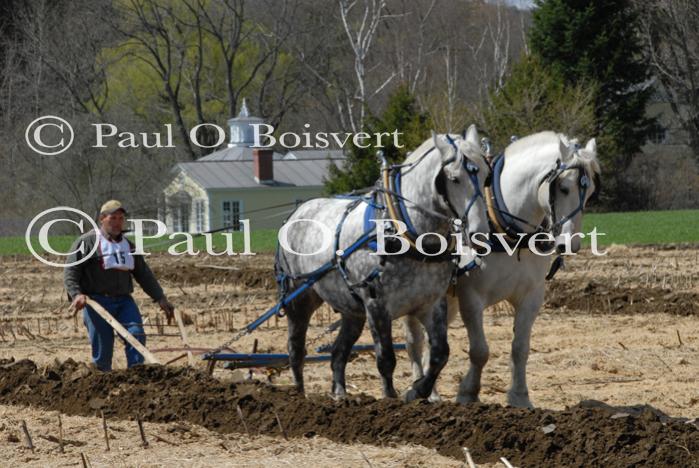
261, 241
645, 227
634, 228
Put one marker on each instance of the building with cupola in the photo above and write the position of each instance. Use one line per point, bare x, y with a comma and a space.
240, 182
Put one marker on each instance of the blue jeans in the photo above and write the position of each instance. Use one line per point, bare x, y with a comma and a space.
101, 334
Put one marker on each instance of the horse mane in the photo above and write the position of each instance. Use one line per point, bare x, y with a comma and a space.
586, 160
428, 145
581, 158
420, 151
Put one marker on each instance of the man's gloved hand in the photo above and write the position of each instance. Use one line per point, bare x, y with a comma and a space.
168, 308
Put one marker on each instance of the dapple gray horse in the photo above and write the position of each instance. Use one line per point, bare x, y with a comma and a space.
439, 180
545, 181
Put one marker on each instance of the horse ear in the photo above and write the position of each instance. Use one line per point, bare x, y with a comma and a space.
441, 144
472, 135
563, 148
591, 146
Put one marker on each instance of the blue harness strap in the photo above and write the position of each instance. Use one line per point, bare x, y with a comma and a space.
402, 208
369, 225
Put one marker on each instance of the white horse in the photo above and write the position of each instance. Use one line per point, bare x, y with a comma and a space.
542, 183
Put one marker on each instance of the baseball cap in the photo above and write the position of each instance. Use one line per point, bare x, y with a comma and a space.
112, 206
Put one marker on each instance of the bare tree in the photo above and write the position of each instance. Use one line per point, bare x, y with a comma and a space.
54, 66
154, 38
490, 53
415, 39
180, 42
230, 27
360, 25
671, 31
478, 42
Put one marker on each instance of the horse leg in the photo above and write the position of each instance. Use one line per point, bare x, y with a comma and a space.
478, 352
348, 335
436, 325
299, 314
526, 311
414, 344
380, 326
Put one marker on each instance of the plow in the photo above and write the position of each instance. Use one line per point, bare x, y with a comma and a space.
281, 360
234, 360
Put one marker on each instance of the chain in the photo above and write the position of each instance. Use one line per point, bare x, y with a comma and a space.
328, 331
241, 333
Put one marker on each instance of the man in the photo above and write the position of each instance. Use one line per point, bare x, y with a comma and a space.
105, 277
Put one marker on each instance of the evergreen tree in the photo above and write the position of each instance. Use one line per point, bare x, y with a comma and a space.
535, 98
362, 168
597, 41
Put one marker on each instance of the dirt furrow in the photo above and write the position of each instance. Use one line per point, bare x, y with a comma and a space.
588, 433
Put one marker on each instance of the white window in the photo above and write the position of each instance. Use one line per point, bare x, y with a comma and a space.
181, 218
231, 215
199, 213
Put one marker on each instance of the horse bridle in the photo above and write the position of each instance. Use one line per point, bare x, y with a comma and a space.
471, 170
583, 184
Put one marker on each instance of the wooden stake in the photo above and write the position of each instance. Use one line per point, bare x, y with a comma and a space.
106, 432
281, 428
27, 437
469, 460
254, 350
366, 459
210, 367
60, 434
679, 338
183, 335
143, 433
505, 462
162, 439
85, 460
175, 359
242, 419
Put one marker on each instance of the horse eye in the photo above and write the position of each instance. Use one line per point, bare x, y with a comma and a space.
471, 168
565, 190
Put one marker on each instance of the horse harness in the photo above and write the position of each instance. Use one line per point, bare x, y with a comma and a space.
388, 190
503, 222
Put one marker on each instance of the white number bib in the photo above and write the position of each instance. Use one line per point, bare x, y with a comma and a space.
115, 255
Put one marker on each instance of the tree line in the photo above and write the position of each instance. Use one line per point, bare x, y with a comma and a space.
584, 68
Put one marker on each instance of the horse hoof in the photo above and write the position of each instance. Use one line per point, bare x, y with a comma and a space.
466, 399
519, 400
339, 395
390, 393
435, 398
410, 395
